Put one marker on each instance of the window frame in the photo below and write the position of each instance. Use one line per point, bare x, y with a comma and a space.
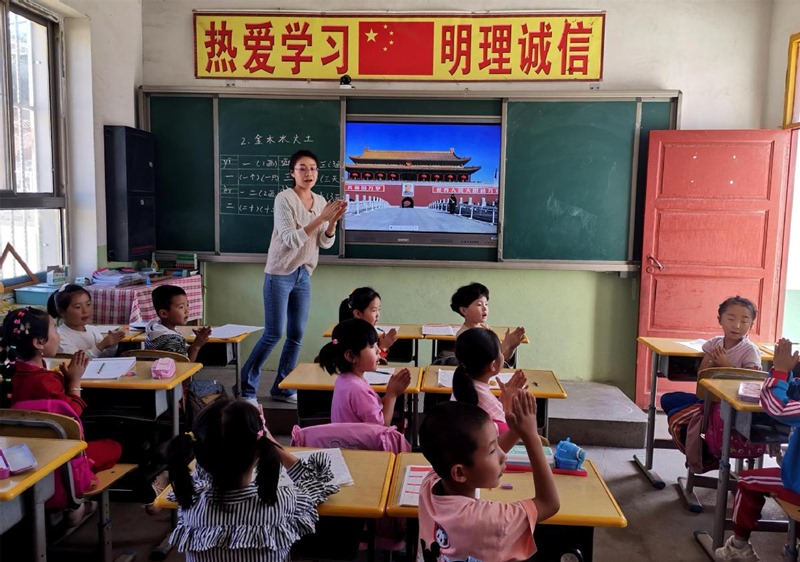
791, 83
10, 199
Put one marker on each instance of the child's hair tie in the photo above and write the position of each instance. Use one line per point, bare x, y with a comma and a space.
62, 287
191, 436
334, 341
263, 431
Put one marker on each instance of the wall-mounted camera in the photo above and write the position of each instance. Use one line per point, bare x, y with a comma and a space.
346, 82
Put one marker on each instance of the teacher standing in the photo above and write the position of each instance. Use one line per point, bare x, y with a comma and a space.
304, 223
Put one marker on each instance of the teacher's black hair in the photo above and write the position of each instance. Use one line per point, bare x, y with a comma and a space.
449, 435
475, 350
226, 442
358, 300
302, 154
59, 301
466, 295
351, 335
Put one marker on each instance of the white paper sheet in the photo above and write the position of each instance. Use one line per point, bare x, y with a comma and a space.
445, 378
696, 345
341, 474
409, 494
105, 328
504, 377
379, 377
438, 330
109, 369
138, 325
233, 330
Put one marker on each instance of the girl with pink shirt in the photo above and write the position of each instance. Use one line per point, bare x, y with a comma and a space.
352, 351
480, 357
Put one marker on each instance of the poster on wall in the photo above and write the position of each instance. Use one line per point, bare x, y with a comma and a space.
314, 46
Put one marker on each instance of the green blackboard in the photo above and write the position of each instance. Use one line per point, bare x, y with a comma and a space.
183, 128
256, 139
568, 180
568, 185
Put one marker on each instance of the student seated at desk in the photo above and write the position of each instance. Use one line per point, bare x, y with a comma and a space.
172, 307
733, 349
28, 336
472, 303
73, 305
365, 303
224, 513
780, 398
479, 359
352, 351
460, 442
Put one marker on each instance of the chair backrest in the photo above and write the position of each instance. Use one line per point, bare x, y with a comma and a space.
153, 354
725, 373
402, 351
362, 436
53, 411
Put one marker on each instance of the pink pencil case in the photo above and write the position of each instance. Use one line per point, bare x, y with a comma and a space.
163, 368
16, 459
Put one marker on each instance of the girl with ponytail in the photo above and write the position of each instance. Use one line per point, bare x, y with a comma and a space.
480, 357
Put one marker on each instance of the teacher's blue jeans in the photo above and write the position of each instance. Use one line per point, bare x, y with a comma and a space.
286, 302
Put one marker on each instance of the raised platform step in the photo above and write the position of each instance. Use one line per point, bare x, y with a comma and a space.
593, 414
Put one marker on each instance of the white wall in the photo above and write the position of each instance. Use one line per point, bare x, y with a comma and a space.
713, 50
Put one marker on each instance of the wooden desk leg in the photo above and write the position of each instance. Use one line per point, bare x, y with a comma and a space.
647, 467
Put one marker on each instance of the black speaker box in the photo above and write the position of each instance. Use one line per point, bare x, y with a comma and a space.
130, 193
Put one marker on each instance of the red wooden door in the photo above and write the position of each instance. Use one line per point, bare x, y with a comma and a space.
716, 221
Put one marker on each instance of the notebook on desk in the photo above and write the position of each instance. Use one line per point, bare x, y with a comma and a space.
438, 330
109, 369
379, 376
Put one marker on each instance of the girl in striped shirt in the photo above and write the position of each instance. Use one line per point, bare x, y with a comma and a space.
227, 515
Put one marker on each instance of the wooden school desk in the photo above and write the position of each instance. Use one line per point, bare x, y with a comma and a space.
143, 380
662, 349
188, 333
543, 385
499, 330
404, 332
27, 492
736, 413
308, 378
366, 498
586, 503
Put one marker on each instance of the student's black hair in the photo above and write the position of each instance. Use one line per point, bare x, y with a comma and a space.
21, 327
466, 295
225, 440
475, 349
302, 154
448, 435
351, 335
358, 300
741, 301
163, 295
60, 300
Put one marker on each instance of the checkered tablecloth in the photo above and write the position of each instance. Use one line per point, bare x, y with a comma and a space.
115, 305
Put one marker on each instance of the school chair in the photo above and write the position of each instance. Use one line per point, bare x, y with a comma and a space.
790, 553
153, 354
711, 403
32, 423
362, 436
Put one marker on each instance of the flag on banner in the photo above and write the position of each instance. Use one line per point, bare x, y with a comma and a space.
399, 48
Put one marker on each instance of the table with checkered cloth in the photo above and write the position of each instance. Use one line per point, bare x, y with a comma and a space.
125, 305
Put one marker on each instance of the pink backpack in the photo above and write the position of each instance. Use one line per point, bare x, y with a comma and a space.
363, 436
83, 479
741, 448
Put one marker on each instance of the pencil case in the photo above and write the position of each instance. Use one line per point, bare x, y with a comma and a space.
163, 368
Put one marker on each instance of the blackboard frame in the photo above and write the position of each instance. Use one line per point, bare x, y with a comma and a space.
671, 97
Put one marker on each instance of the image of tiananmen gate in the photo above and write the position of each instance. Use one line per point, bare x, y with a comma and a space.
436, 180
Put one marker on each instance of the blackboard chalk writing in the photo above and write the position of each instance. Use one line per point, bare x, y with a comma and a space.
276, 138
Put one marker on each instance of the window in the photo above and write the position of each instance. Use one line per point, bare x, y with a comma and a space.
791, 105
32, 201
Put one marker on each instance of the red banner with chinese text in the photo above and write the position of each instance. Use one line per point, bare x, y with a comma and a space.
307, 46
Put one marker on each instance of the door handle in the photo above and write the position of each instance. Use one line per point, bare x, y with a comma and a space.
654, 262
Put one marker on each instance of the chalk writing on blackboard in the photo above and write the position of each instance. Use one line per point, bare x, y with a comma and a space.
292, 138
249, 183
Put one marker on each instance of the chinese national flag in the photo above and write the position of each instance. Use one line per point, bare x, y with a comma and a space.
399, 48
